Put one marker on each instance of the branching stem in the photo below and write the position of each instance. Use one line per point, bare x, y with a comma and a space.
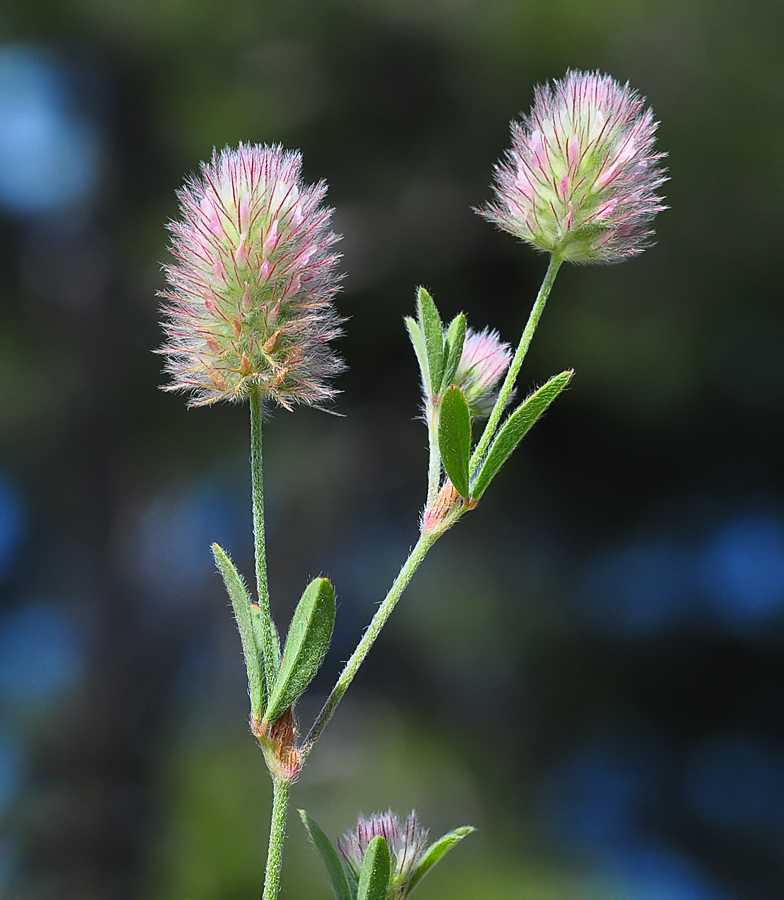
383, 612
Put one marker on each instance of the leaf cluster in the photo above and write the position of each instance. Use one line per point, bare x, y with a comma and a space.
438, 352
306, 643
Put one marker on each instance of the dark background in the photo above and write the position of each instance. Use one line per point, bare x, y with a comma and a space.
589, 668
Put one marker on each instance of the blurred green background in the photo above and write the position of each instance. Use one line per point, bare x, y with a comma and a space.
589, 668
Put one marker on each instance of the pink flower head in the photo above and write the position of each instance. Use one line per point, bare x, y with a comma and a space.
249, 299
406, 841
482, 364
581, 177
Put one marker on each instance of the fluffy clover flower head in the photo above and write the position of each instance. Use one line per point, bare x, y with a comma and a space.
249, 296
484, 360
581, 176
407, 844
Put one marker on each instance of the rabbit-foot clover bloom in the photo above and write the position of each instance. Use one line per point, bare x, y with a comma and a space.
406, 842
581, 176
249, 299
410, 856
484, 360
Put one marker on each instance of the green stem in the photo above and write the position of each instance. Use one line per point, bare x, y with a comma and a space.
514, 368
270, 649
280, 806
434, 466
383, 612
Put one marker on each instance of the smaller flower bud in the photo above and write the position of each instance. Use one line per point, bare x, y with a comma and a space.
482, 364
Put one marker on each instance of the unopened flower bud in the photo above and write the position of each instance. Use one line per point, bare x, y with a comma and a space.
581, 177
408, 848
249, 299
407, 843
484, 360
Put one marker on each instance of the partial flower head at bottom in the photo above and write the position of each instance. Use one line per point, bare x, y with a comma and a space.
410, 855
406, 841
398, 860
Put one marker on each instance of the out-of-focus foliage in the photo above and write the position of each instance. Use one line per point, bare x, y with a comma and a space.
605, 704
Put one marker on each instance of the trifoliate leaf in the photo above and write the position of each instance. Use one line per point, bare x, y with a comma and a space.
433, 331
375, 871
306, 644
454, 438
329, 857
515, 427
240, 601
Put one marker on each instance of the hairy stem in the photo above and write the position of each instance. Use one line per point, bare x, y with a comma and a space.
280, 806
270, 650
383, 612
514, 368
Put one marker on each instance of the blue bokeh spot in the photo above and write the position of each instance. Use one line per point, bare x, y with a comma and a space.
649, 872
594, 797
734, 783
11, 768
41, 652
13, 523
742, 570
171, 557
49, 152
637, 590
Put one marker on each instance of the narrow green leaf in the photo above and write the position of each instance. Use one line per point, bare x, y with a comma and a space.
307, 641
418, 342
375, 872
433, 331
454, 438
240, 601
258, 634
329, 857
453, 350
436, 851
515, 427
